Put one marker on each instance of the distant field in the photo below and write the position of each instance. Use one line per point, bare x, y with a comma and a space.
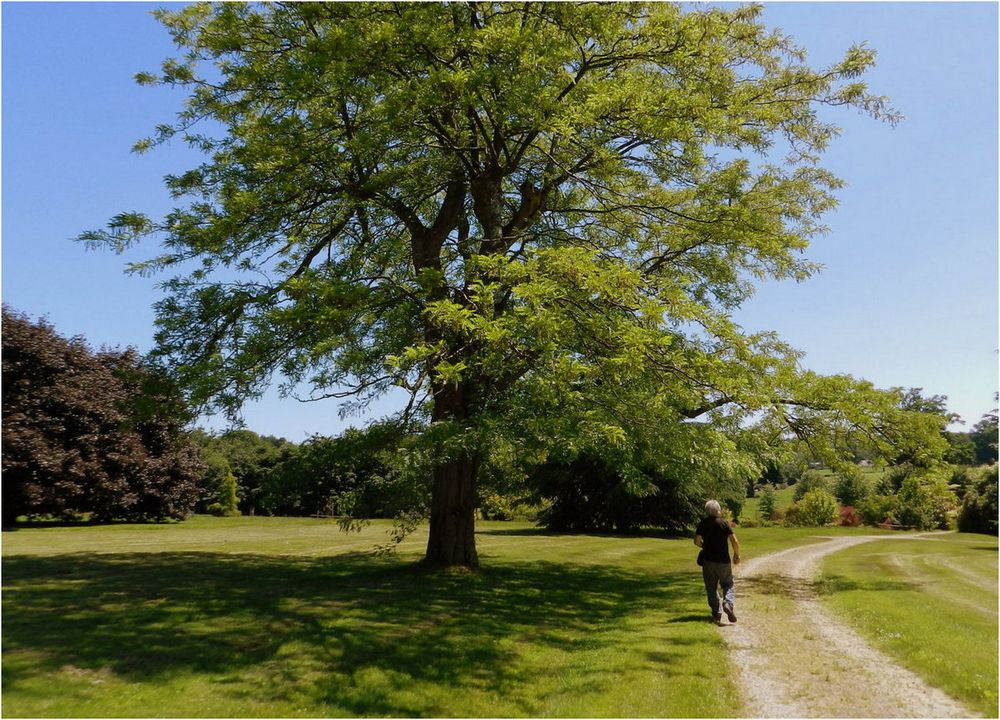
751, 508
929, 603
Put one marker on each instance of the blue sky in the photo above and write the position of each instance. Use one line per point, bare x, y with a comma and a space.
908, 296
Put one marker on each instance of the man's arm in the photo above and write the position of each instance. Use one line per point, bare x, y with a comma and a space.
736, 548
698, 540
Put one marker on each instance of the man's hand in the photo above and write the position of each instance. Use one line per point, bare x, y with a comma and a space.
736, 558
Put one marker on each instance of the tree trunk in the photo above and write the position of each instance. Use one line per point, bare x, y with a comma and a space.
452, 538
453, 525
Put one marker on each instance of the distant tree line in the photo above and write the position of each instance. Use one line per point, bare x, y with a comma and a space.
947, 479
103, 435
357, 474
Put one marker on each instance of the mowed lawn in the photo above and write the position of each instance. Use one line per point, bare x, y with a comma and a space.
255, 617
291, 617
930, 603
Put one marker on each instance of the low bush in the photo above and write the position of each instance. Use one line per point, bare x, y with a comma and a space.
497, 507
875, 509
849, 517
811, 480
768, 501
926, 502
816, 508
851, 486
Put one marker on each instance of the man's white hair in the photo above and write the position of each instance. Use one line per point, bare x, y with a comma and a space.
713, 508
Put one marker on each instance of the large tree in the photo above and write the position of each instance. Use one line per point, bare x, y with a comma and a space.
90, 433
537, 218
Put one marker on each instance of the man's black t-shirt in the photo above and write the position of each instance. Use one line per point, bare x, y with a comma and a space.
715, 532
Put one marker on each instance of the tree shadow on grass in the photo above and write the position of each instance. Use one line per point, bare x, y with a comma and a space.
346, 633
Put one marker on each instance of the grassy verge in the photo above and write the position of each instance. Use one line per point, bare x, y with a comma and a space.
284, 617
930, 603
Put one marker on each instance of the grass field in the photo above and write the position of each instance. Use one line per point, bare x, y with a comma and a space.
286, 617
782, 499
931, 604
283, 617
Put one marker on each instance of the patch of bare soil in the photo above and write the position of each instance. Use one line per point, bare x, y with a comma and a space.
795, 659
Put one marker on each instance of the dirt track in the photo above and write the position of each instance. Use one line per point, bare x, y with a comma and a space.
795, 659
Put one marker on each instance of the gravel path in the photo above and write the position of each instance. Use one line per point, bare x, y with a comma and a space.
795, 659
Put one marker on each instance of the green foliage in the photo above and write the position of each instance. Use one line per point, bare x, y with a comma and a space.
767, 503
961, 450
926, 502
249, 458
851, 486
984, 437
497, 507
352, 474
219, 485
536, 218
811, 480
226, 505
589, 494
879, 510
979, 511
85, 433
815, 508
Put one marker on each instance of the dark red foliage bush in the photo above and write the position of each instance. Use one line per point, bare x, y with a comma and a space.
89, 433
849, 517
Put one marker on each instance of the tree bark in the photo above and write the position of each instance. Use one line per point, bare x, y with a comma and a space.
452, 538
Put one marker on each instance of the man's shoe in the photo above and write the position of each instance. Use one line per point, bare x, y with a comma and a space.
717, 617
730, 612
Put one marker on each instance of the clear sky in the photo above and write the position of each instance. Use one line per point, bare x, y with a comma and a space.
908, 297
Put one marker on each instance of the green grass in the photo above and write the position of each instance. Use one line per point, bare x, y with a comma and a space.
290, 617
782, 499
284, 617
929, 603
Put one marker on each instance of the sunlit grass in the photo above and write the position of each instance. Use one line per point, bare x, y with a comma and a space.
283, 617
290, 617
782, 499
929, 603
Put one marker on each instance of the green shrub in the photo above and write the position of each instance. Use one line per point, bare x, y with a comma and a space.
767, 502
926, 502
893, 479
979, 506
876, 509
735, 506
496, 507
811, 480
590, 493
816, 508
851, 486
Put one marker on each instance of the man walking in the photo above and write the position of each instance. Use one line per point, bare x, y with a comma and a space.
717, 569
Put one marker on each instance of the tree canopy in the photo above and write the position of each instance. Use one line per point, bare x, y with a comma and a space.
537, 218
